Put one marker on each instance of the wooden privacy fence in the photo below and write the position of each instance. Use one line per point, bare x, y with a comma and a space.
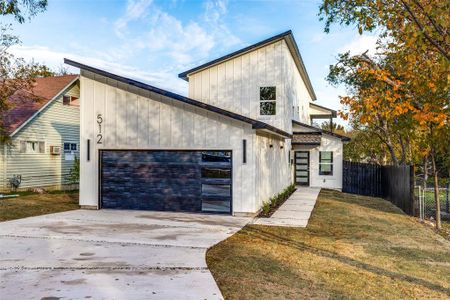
393, 183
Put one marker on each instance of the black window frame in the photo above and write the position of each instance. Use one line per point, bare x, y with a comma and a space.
70, 147
326, 161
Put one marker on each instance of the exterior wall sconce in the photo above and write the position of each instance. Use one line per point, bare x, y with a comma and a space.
244, 151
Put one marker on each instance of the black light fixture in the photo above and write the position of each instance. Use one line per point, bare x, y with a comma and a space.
244, 151
88, 150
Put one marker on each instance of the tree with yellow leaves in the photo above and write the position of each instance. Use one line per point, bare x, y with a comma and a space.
401, 93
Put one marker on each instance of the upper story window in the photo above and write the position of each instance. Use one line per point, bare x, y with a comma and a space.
267, 101
71, 100
32, 147
325, 163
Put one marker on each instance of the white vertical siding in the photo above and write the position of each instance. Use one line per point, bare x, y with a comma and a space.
56, 124
273, 169
234, 84
295, 88
170, 125
329, 143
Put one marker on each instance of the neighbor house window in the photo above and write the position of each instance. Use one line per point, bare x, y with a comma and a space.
32, 147
325, 163
68, 147
70, 100
267, 98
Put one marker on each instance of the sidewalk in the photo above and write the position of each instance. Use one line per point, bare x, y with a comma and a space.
295, 212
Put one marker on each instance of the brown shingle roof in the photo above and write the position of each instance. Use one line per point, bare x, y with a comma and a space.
306, 138
23, 107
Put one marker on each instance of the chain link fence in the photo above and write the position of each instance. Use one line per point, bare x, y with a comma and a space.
427, 204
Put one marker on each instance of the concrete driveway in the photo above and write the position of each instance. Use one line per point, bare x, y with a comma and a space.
110, 254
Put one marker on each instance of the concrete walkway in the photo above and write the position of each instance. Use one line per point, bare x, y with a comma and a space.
295, 212
110, 254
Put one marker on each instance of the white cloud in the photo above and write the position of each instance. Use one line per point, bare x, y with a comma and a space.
148, 35
135, 9
214, 10
360, 44
165, 79
163, 34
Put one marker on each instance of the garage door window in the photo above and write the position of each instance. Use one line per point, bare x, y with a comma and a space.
216, 181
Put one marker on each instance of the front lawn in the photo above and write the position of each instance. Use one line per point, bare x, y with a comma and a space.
354, 247
29, 204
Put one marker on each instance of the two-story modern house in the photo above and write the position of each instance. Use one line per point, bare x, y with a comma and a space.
241, 136
42, 126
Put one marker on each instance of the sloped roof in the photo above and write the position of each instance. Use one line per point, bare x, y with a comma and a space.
332, 112
306, 138
293, 48
342, 137
26, 103
255, 123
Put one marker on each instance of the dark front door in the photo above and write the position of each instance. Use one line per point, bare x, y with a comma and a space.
193, 181
302, 167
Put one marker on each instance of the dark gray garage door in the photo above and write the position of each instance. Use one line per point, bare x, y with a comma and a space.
194, 181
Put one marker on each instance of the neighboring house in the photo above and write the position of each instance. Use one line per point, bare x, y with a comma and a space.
227, 148
43, 126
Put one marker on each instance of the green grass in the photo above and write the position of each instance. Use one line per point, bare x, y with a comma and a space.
32, 204
353, 248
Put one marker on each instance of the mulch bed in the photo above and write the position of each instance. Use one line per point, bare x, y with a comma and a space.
274, 208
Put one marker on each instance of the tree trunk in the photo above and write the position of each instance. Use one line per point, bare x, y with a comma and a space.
436, 191
403, 148
391, 149
425, 171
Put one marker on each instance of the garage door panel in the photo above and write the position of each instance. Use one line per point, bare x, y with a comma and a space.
158, 203
166, 180
150, 171
151, 156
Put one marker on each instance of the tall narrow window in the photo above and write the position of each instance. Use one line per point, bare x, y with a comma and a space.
267, 98
325, 163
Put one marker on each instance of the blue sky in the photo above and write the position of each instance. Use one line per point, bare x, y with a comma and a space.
153, 41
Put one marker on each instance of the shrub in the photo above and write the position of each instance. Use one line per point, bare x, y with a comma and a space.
266, 207
74, 174
274, 201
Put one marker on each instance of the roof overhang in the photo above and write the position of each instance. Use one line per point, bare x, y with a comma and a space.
258, 125
322, 131
306, 138
293, 48
321, 112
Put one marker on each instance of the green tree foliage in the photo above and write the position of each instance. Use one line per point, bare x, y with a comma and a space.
336, 128
74, 174
400, 94
22, 9
15, 73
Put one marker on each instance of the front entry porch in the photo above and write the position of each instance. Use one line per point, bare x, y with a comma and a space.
302, 163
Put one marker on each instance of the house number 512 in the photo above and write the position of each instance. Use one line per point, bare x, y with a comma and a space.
99, 135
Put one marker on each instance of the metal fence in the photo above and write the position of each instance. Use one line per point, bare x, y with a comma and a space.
427, 204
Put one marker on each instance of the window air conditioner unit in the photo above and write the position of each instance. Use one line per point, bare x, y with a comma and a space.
55, 150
